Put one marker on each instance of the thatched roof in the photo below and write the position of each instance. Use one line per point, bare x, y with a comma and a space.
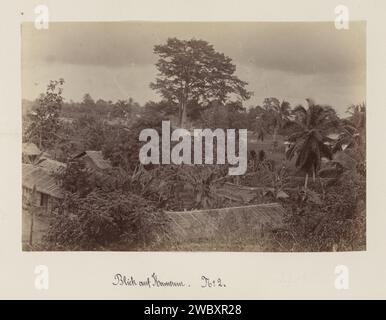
52, 166
30, 149
238, 193
97, 158
42, 179
225, 224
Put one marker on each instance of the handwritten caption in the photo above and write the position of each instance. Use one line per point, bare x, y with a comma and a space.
154, 281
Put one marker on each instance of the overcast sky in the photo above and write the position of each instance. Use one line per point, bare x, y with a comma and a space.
115, 60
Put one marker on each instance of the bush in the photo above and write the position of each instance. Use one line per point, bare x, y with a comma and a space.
105, 221
337, 223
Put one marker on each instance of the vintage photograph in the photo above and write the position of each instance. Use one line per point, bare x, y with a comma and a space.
194, 136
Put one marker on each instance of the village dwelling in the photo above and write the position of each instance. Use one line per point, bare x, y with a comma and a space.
52, 166
94, 160
66, 120
30, 152
204, 228
40, 187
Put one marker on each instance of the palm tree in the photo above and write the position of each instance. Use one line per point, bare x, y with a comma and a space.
350, 147
277, 114
352, 129
261, 128
308, 141
358, 115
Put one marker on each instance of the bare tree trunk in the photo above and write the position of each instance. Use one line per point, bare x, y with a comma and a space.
31, 228
40, 139
305, 182
180, 109
275, 133
183, 108
184, 117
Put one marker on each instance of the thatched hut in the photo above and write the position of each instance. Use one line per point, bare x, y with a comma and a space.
94, 160
223, 228
40, 187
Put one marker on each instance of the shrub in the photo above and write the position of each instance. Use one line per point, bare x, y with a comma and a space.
337, 223
107, 221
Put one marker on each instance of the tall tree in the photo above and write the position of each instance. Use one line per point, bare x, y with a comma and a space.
357, 114
191, 70
308, 141
45, 119
121, 109
258, 121
277, 114
124, 109
353, 128
352, 140
122, 146
88, 101
91, 132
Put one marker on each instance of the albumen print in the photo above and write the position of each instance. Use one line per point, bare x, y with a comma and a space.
194, 136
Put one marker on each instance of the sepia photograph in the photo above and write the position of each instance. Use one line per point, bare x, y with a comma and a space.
193, 136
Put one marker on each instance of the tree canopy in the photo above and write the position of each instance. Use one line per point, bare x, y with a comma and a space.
192, 70
45, 119
308, 141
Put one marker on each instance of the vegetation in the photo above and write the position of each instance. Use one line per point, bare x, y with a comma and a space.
308, 141
191, 71
44, 124
276, 114
123, 207
100, 218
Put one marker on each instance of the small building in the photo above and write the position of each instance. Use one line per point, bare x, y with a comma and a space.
222, 228
52, 166
30, 152
94, 160
66, 120
40, 187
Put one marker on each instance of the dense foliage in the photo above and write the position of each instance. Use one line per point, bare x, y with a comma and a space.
193, 71
105, 220
44, 121
122, 208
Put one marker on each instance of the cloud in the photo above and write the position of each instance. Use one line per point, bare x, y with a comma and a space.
115, 60
303, 47
98, 44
